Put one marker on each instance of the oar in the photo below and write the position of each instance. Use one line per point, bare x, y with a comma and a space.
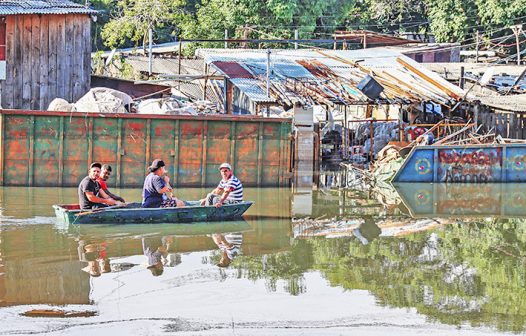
102, 209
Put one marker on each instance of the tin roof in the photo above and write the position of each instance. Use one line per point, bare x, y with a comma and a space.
332, 76
9, 7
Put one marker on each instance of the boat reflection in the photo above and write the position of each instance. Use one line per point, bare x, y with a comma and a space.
473, 200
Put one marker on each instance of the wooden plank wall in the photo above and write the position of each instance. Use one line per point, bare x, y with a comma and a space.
507, 125
48, 56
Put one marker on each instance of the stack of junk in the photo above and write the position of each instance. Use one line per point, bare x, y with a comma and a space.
106, 100
389, 154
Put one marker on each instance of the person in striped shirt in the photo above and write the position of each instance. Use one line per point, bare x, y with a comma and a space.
228, 191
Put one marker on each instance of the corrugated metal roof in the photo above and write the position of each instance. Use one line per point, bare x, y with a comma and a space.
251, 88
167, 66
232, 69
331, 76
8, 7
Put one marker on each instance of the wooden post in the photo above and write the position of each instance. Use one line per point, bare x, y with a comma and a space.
205, 73
179, 56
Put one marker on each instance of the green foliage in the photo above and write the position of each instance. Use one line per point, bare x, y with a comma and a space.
133, 19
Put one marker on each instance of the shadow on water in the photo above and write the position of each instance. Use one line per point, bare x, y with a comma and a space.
461, 257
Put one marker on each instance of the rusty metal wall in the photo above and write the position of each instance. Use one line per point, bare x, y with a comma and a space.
39, 148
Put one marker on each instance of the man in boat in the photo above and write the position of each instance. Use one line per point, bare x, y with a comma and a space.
156, 185
104, 176
91, 196
228, 191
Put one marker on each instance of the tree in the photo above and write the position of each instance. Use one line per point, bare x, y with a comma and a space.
134, 18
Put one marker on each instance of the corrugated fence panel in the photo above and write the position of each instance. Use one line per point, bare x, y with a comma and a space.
133, 152
77, 149
271, 147
218, 149
190, 152
16, 150
163, 144
41, 148
46, 151
246, 155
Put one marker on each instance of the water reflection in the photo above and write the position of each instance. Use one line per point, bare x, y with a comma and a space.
441, 199
456, 263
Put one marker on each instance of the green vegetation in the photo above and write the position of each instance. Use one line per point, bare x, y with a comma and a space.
125, 23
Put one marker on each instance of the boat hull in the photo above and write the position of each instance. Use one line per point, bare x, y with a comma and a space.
134, 214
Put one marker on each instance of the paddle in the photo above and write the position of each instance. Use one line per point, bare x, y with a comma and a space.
122, 205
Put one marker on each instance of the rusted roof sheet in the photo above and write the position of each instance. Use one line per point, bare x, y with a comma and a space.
9, 7
232, 69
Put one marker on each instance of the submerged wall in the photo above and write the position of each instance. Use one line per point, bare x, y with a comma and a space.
39, 148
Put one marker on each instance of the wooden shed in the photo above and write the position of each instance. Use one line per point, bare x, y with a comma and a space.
45, 49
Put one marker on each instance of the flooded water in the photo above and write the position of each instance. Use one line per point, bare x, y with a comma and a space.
434, 260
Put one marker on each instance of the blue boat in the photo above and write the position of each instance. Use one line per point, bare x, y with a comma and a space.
133, 213
500, 163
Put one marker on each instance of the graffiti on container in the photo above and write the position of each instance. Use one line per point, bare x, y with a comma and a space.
469, 165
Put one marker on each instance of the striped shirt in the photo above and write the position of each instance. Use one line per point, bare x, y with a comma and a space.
234, 186
236, 239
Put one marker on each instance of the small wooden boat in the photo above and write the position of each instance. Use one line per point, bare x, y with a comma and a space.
133, 213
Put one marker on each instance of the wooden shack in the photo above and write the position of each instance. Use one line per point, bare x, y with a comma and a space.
45, 49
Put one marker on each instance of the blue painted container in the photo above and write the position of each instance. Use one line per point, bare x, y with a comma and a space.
503, 163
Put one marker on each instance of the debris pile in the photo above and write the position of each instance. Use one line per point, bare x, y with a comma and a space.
106, 100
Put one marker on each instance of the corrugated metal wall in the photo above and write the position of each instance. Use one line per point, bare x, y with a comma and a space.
39, 148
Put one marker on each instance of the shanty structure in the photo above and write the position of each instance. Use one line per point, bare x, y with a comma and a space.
331, 78
45, 49
367, 38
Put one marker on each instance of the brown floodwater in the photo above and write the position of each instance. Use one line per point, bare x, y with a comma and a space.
420, 258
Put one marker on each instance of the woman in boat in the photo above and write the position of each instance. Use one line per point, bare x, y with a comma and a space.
156, 185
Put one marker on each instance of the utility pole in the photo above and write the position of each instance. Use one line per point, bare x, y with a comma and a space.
296, 37
226, 38
268, 73
150, 38
516, 30
477, 46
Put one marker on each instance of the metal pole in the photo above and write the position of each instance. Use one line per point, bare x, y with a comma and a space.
268, 73
150, 38
461, 79
477, 46
516, 30
296, 37
179, 56
226, 38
